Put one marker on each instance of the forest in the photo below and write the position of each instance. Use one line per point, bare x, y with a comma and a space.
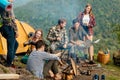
44, 14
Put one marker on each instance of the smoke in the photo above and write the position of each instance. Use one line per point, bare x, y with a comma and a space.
45, 13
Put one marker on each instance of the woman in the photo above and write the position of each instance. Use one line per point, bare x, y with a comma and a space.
31, 43
37, 36
87, 20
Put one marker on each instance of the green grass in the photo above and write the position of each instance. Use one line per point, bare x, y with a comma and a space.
112, 71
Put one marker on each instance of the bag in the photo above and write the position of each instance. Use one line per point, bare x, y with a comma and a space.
24, 59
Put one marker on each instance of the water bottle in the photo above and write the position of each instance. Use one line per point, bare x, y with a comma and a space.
102, 77
96, 77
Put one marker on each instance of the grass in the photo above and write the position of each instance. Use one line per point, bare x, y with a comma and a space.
112, 71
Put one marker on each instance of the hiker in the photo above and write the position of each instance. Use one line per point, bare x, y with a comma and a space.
37, 59
87, 20
58, 41
10, 32
76, 34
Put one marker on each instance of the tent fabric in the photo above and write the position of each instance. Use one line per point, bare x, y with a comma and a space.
23, 30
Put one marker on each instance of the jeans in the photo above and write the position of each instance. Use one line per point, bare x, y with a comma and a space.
50, 65
76, 52
9, 34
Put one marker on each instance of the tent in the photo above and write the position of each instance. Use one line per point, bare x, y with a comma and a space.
23, 29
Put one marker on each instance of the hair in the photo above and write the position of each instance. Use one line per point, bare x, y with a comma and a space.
88, 5
41, 33
61, 21
39, 44
75, 21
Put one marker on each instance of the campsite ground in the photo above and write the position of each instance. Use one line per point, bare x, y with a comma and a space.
111, 71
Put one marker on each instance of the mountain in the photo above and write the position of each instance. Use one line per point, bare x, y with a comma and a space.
45, 13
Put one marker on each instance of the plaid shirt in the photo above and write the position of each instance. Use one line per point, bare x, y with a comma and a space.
56, 32
91, 24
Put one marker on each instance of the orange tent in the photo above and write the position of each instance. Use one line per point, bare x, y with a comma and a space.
23, 29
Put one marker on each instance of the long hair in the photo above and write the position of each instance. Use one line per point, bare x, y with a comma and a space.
89, 5
41, 38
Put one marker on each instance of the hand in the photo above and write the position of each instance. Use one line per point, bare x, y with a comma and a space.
58, 54
78, 42
65, 46
61, 63
58, 38
86, 24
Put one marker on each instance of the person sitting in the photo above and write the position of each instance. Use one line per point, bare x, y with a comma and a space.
33, 39
58, 36
36, 60
38, 35
76, 42
58, 41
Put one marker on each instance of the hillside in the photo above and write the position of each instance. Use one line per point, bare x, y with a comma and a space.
45, 13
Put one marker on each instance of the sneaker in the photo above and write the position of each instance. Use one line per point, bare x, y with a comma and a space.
96, 77
96, 41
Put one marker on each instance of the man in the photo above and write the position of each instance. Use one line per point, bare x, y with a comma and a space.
58, 41
58, 36
10, 33
37, 59
76, 34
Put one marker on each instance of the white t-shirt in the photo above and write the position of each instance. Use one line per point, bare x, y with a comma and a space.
86, 19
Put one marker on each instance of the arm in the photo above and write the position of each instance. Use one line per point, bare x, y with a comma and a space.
51, 56
28, 42
80, 17
66, 39
92, 22
54, 56
71, 36
50, 36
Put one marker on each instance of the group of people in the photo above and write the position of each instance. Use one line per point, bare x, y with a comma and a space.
40, 62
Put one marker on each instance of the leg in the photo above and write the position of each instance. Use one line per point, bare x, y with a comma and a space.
8, 33
70, 50
11, 43
47, 67
91, 52
55, 68
91, 37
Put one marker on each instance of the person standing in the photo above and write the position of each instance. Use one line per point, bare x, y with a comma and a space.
87, 20
10, 32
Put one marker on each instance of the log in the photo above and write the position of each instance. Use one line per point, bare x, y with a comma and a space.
9, 76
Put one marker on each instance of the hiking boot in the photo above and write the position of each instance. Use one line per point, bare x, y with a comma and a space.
92, 62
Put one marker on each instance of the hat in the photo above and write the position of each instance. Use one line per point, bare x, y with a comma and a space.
75, 20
